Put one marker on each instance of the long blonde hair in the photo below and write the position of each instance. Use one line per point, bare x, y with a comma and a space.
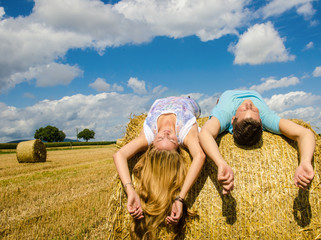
160, 175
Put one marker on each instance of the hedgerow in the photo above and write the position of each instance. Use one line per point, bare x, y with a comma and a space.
59, 144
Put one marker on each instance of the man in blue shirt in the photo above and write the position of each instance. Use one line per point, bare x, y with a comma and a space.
245, 114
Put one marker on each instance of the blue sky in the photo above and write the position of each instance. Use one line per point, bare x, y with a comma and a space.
91, 64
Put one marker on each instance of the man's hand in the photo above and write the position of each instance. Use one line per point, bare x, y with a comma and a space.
176, 214
133, 205
303, 176
225, 177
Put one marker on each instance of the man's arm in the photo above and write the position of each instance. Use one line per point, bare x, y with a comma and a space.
121, 161
306, 142
208, 134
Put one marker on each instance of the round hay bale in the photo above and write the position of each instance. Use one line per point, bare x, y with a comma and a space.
31, 151
264, 204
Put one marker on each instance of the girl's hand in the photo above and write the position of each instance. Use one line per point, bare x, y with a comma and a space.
176, 214
133, 205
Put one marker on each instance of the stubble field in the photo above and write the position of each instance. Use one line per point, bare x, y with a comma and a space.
64, 198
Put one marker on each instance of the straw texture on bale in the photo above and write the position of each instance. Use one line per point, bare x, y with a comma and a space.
31, 151
264, 204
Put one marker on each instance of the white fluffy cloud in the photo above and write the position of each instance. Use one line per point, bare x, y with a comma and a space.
105, 113
137, 86
117, 88
311, 115
260, 44
159, 90
29, 95
317, 72
56, 74
108, 113
271, 83
2, 12
206, 19
306, 10
286, 102
207, 103
35, 46
302, 113
32, 47
277, 7
101, 85
51, 74
56, 26
310, 45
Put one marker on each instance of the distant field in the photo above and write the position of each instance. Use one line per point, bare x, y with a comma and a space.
63, 198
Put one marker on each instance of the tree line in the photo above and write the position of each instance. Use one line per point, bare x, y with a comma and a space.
53, 134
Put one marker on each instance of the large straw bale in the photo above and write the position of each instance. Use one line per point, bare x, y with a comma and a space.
31, 151
264, 204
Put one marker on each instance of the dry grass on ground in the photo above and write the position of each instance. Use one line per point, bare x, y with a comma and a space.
63, 198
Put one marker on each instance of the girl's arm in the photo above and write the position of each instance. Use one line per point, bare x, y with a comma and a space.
121, 158
191, 141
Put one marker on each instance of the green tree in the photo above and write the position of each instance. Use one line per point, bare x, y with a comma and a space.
86, 134
50, 134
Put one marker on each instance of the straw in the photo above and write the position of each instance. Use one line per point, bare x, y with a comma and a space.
264, 204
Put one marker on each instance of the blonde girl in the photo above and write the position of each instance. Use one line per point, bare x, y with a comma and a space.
163, 179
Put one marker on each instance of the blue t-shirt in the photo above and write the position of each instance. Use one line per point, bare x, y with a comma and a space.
232, 99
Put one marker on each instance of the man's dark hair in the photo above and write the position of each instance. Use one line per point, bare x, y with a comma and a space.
247, 132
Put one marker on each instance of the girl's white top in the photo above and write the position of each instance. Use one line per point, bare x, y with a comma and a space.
185, 109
